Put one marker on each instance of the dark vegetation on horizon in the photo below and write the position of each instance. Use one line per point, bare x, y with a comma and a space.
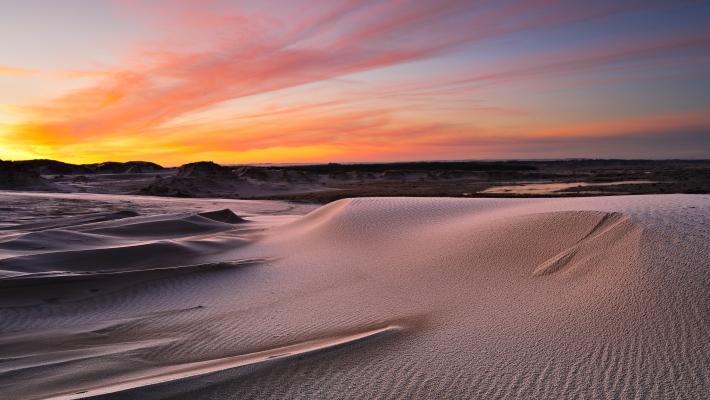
409, 166
326, 182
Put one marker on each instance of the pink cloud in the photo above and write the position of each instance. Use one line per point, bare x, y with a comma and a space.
249, 57
213, 52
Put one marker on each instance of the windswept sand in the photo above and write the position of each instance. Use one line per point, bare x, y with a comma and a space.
603, 297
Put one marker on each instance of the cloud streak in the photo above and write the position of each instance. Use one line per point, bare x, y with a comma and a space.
226, 53
14, 71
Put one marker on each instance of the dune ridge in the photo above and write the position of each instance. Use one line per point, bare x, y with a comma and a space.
188, 370
511, 298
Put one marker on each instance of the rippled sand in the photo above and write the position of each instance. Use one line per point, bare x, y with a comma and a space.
364, 298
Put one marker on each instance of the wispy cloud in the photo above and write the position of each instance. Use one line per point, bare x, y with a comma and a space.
363, 35
215, 52
14, 71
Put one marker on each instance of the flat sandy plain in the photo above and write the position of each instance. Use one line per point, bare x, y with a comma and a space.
126, 297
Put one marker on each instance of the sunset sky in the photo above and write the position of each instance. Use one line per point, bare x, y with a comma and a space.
175, 81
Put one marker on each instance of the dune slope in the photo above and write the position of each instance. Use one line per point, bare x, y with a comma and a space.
364, 298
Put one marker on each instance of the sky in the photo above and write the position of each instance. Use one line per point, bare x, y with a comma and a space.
265, 81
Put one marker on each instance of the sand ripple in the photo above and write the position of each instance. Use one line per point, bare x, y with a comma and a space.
466, 298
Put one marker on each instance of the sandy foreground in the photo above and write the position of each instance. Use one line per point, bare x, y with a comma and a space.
144, 298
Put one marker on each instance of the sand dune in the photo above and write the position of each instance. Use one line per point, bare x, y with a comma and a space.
362, 298
72, 221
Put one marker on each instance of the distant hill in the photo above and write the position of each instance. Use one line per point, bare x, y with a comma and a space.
14, 176
327, 182
129, 167
204, 169
52, 167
